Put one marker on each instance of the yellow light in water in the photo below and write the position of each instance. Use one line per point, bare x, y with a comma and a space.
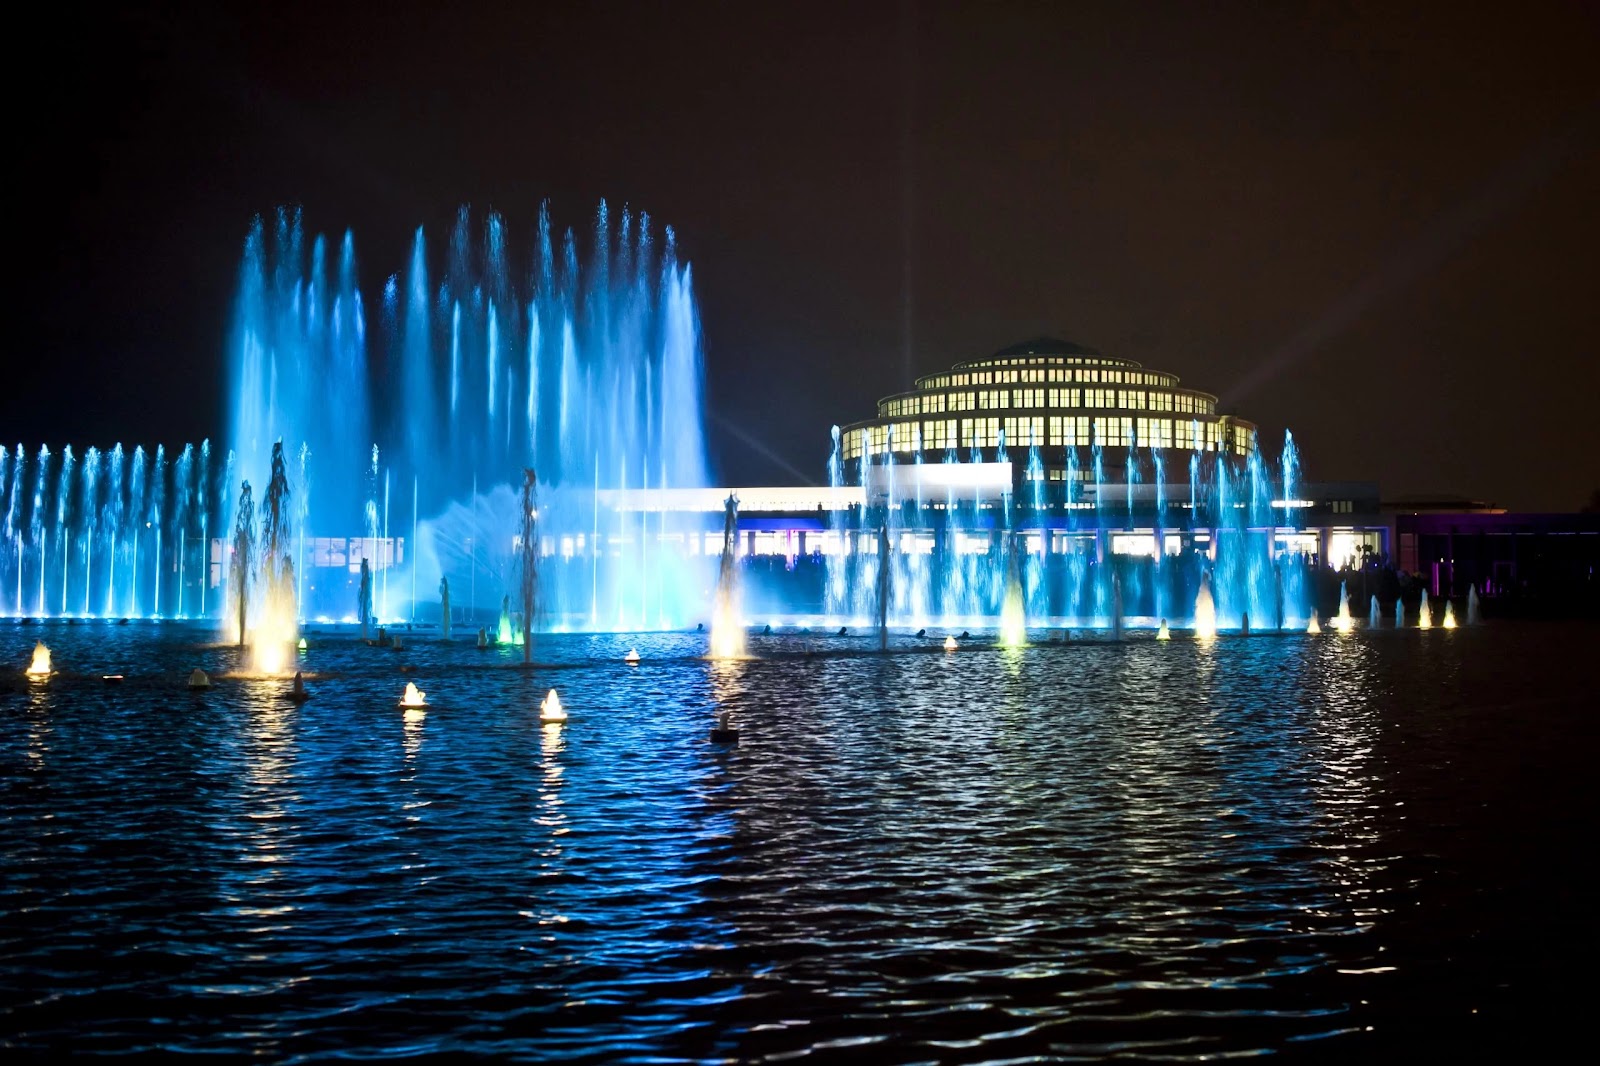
302, 643
950, 644
1342, 621
40, 667
727, 633
550, 710
1315, 626
1449, 615
1163, 633
1205, 610
414, 696
1013, 624
270, 656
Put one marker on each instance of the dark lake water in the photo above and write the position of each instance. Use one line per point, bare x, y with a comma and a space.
1340, 846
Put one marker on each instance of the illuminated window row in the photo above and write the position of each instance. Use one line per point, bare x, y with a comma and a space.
1024, 431
937, 403
1054, 375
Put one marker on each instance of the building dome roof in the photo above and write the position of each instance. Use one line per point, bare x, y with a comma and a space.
1045, 346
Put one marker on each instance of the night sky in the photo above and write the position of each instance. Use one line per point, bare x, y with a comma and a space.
1377, 228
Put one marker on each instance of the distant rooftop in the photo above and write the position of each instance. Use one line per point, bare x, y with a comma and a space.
1439, 501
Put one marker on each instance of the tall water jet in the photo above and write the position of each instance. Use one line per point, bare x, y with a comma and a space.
444, 608
1205, 608
204, 500
63, 495
13, 531
883, 583
1295, 591
276, 625
727, 632
111, 516
1159, 473
240, 569
1399, 613
1424, 613
90, 508
1116, 607
1472, 605
1013, 620
837, 590
364, 598
136, 505
1102, 569
528, 560
41, 486
1374, 615
1449, 614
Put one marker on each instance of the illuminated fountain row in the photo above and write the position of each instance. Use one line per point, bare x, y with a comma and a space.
995, 562
113, 533
579, 359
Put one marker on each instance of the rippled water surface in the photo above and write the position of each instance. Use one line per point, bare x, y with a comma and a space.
1311, 845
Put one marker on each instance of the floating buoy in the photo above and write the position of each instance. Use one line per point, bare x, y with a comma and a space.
632, 658
550, 711
724, 732
922, 632
302, 644
198, 679
298, 693
414, 696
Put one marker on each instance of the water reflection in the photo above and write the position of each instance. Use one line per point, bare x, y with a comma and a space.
39, 725
412, 723
265, 836
1180, 849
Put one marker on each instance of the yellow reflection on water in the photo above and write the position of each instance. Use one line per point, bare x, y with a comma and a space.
267, 840
412, 722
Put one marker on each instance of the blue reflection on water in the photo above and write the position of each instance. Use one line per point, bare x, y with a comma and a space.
1082, 847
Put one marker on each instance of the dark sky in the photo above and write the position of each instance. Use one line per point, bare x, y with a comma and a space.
1375, 227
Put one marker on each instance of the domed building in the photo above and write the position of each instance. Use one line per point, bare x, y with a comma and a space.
1082, 479
1047, 394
